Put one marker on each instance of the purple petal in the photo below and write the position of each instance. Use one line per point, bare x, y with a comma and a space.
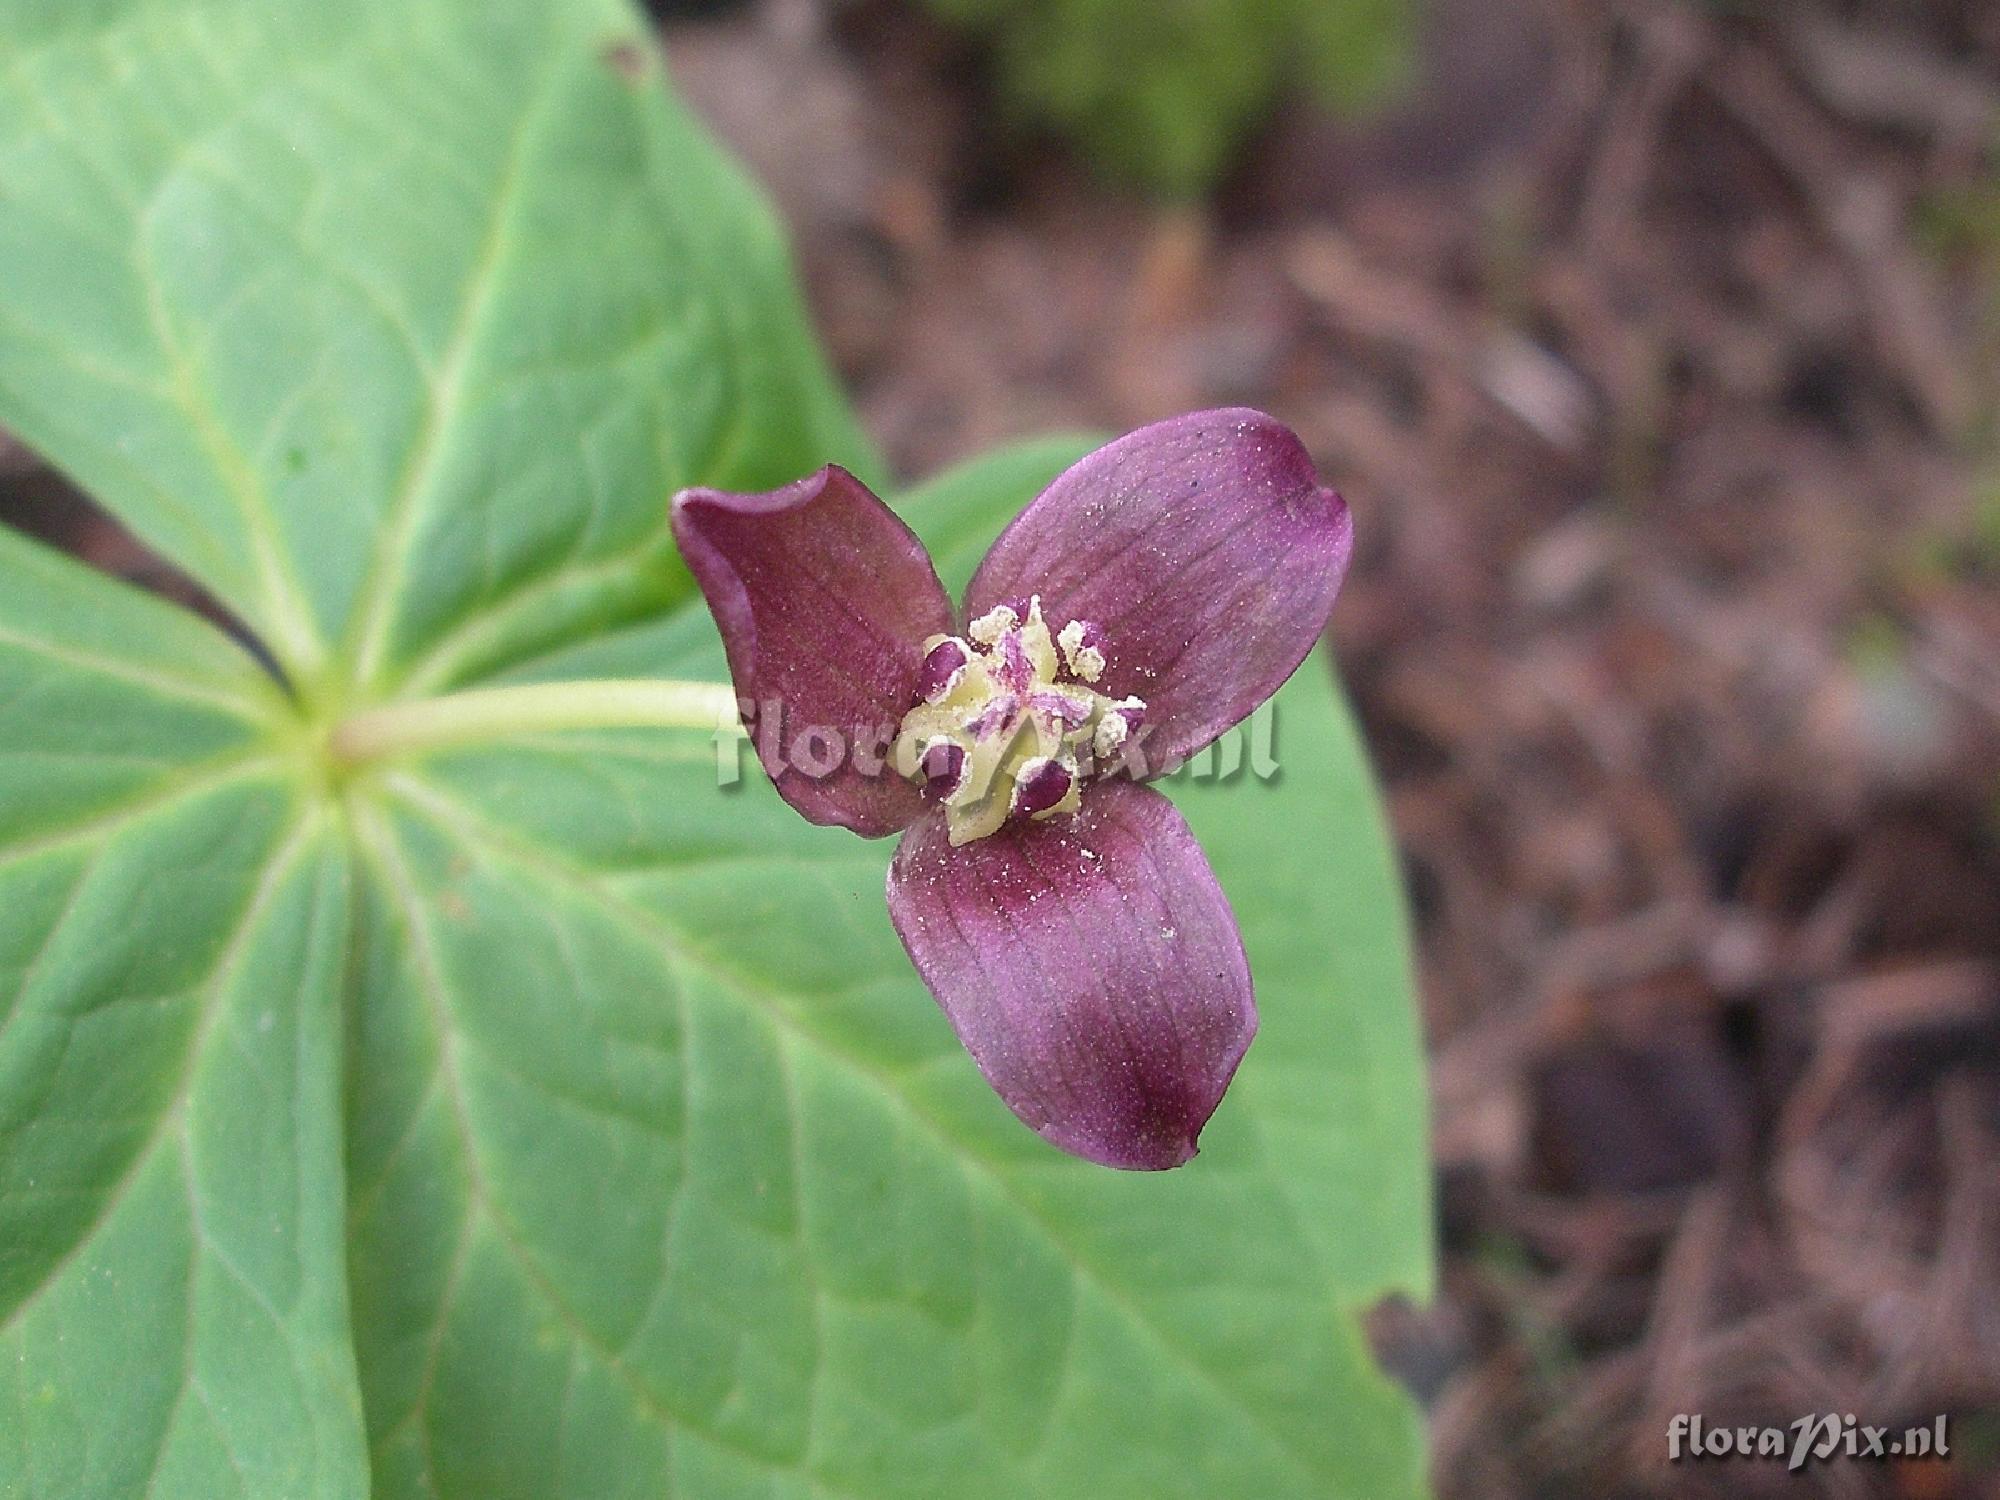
1206, 553
824, 599
1091, 966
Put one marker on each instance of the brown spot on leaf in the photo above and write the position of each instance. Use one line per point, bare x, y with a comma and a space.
626, 58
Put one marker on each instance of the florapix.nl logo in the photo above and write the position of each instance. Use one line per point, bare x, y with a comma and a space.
1817, 1438
782, 742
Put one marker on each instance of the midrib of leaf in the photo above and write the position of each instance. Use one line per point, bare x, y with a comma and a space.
286, 618
29, 427
438, 666
199, 1239
173, 1115
200, 165
243, 705
33, 968
466, 826
295, 638
373, 842
383, 849
375, 606
197, 779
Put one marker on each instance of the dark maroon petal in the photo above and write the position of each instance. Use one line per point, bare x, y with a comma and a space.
1205, 551
1091, 966
824, 599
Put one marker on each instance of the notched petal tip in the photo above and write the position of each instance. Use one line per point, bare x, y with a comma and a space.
1091, 966
824, 599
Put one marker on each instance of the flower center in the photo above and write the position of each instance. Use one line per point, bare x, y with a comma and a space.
1009, 725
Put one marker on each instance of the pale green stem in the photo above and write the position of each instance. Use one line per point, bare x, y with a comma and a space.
485, 714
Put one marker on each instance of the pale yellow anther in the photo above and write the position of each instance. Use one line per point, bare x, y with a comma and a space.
1086, 662
996, 622
1110, 737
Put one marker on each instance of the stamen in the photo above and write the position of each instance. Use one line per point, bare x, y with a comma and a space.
943, 769
943, 668
1116, 725
1080, 650
990, 626
1042, 785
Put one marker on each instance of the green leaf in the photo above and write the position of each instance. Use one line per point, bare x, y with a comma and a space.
550, 1119
309, 308
173, 1315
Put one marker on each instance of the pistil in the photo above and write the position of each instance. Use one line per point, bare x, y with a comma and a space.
1010, 725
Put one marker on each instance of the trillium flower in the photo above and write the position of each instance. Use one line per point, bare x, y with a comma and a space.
1060, 910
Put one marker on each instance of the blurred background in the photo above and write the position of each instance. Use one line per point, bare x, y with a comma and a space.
1657, 348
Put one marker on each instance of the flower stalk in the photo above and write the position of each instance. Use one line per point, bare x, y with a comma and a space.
482, 715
